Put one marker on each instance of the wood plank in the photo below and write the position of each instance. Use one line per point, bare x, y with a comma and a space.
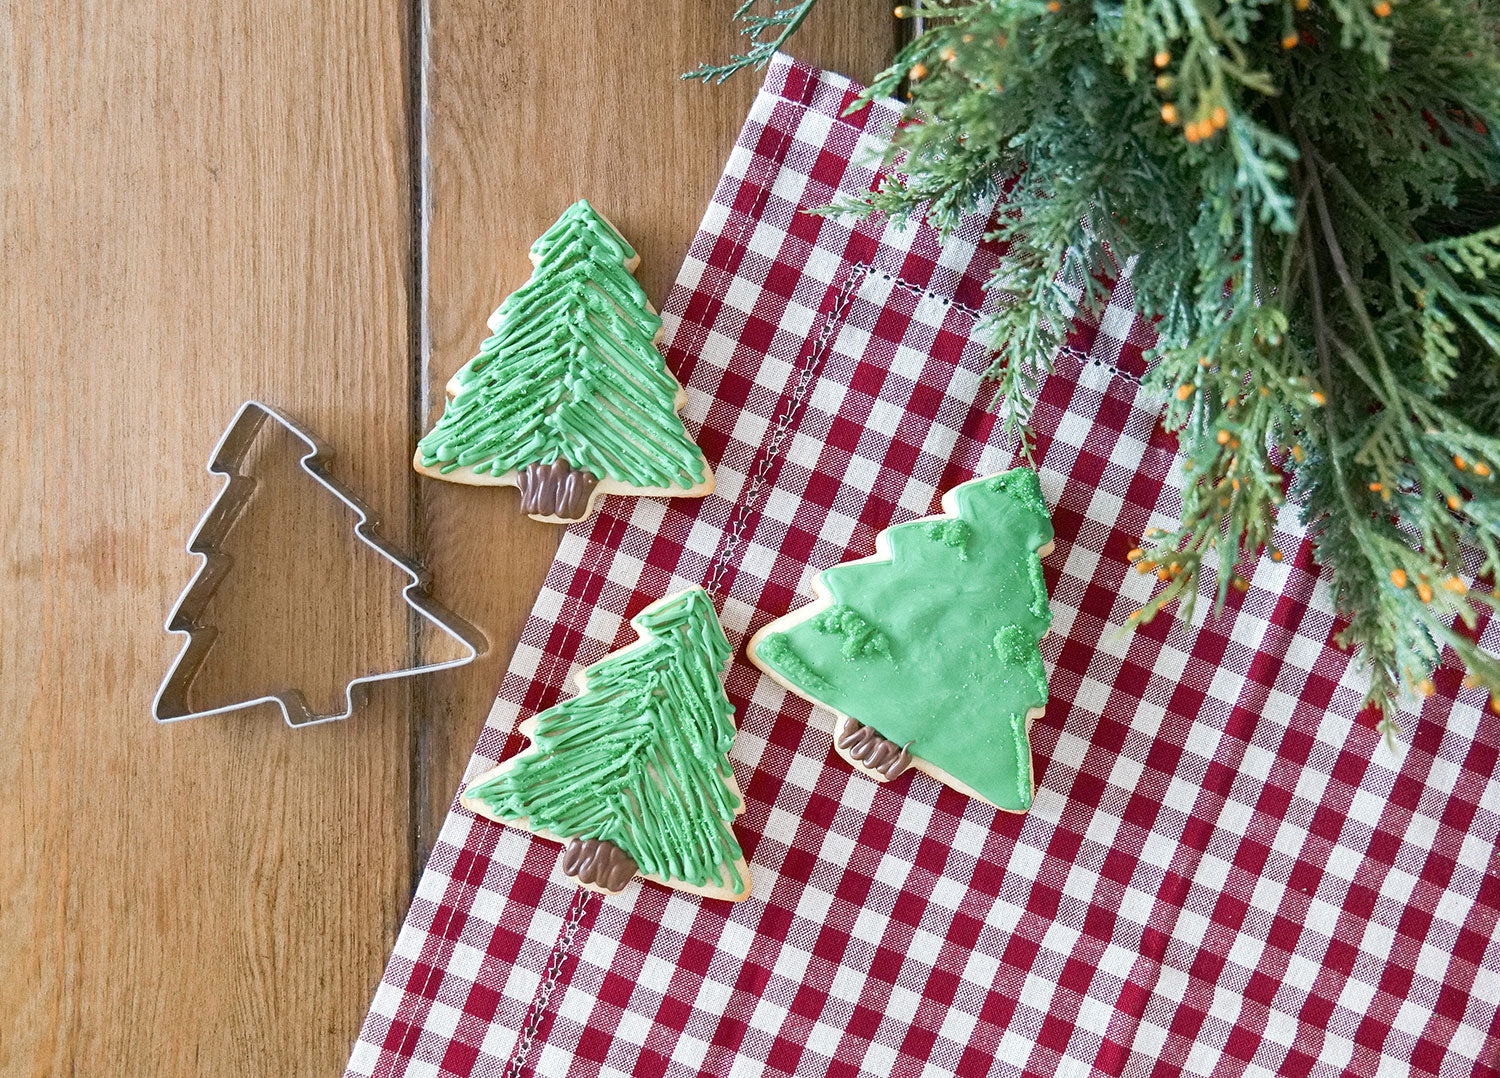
530, 107
201, 202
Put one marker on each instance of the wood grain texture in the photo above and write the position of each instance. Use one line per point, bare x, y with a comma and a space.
201, 202
209, 201
514, 133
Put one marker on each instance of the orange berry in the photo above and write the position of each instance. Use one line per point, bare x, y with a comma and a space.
1163, 573
1472, 682
1455, 502
1398, 577
1134, 555
1184, 392
1220, 117
1382, 9
1298, 453
948, 55
1162, 59
918, 71
1481, 469
1169, 113
1277, 555
1376, 487
1144, 566
1318, 398
1460, 463
1302, 5
1455, 585
1495, 704
1424, 591
1053, 6
1289, 42
1425, 688
900, 13
1223, 438
1190, 132
1240, 584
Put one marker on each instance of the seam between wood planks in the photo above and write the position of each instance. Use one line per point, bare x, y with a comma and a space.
419, 343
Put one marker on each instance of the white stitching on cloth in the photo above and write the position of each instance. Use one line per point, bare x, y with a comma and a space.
538, 1010
584, 898
977, 315
783, 427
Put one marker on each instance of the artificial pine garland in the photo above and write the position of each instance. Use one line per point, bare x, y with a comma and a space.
1306, 194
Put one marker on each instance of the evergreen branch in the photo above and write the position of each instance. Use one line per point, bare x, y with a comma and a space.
784, 22
1309, 197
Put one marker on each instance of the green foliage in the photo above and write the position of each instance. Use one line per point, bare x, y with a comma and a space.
1306, 194
781, 22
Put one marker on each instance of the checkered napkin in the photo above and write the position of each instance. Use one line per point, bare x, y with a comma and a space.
1225, 870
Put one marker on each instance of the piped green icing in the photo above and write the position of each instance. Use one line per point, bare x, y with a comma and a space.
1024, 486
1017, 649
963, 668
571, 371
641, 757
861, 637
951, 532
1039, 604
776, 651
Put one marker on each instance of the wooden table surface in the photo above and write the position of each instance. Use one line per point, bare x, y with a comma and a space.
316, 204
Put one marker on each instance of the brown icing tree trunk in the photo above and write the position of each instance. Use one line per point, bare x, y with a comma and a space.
879, 754
599, 862
555, 490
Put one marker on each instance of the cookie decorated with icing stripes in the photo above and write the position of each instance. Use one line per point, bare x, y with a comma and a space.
569, 398
632, 775
926, 652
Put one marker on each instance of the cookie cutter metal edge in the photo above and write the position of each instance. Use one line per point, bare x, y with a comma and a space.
171, 701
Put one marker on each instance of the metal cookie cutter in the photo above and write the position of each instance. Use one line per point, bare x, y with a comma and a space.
171, 703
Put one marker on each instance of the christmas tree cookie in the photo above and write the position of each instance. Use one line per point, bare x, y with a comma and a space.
569, 398
927, 652
633, 774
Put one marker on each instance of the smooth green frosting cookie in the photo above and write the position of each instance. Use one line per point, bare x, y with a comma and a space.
640, 758
936, 644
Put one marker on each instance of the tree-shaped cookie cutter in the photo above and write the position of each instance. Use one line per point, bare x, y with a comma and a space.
171, 703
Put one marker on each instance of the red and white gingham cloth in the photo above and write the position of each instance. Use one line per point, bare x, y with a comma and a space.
1225, 870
